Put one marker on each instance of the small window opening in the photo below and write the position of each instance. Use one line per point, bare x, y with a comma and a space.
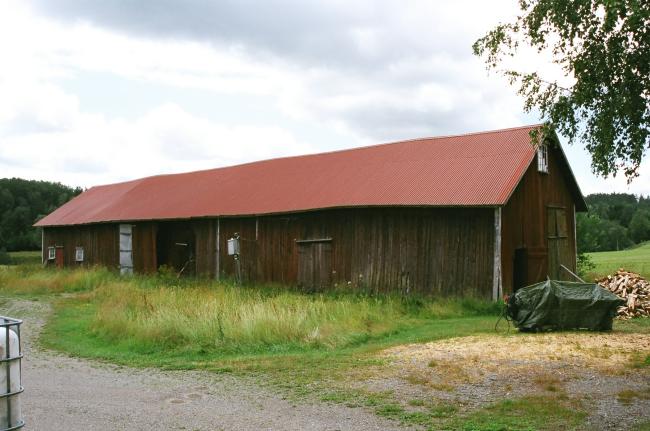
542, 159
79, 254
51, 253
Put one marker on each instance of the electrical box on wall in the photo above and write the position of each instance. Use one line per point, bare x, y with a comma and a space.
233, 246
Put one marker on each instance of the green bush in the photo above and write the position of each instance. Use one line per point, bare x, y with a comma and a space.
585, 264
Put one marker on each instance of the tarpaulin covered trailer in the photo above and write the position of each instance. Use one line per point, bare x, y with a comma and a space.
554, 305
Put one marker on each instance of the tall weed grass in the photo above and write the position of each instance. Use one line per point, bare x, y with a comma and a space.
230, 318
36, 280
159, 312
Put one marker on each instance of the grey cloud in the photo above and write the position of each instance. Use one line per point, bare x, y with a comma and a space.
307, 31
390, 123
410, 46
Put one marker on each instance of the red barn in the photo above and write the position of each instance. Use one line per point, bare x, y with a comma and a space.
474, 215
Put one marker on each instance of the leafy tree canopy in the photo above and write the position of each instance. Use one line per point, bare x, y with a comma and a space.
640, 226
615, 221
605, 46
22, 203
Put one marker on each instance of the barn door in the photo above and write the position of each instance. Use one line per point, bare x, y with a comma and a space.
59, 257
314, 264
559, 252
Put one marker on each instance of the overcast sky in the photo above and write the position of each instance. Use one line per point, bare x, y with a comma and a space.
93, 92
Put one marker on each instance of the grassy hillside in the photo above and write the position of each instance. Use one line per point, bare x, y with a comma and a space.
635, 259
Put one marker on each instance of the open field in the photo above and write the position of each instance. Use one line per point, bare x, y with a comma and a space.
419, 362
25, 257
636, 259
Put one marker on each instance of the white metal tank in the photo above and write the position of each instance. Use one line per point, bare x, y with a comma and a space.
10, 378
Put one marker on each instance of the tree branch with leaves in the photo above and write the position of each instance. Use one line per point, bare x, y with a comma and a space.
604, 46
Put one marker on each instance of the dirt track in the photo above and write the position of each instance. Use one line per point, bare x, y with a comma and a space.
63, 393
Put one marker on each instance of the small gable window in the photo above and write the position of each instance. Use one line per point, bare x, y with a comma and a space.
542, 159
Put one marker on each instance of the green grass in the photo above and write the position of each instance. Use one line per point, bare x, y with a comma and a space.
25, 257
546, 412
224, 319
33, 280
643, 426
74, 330
306, 345
526, 413
635, 259
163, 321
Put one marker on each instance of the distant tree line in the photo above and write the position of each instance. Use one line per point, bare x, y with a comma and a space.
615, 221
22, 203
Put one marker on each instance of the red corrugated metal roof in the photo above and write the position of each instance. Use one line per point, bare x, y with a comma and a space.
479, 169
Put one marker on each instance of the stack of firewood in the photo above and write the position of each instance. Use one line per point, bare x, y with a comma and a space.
632, 288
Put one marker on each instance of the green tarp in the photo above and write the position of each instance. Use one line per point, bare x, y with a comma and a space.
554, 305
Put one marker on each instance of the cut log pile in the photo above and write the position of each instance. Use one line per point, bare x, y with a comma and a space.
632, 288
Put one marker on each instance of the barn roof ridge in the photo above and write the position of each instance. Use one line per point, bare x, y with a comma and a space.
323, 153
472, 169
484, 132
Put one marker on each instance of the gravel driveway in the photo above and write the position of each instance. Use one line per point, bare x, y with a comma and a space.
63, 393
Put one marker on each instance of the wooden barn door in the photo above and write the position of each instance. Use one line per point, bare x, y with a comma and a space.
314, 264
59, 257
559, 252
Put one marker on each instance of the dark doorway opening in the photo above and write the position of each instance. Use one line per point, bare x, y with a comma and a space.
175, 247
520, 275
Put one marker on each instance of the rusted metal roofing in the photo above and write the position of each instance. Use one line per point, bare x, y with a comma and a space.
479, 169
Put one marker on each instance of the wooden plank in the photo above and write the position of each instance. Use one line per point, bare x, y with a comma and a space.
307, 241
497, 291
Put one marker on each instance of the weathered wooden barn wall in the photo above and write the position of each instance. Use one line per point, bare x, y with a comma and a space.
433, 251
144, 247
426, 250
527, 226
100, 243
206, 246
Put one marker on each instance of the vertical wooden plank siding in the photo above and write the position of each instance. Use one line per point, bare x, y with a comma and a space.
437, 251
575, 238
205, 248
100, 243
144, 247
433, 251
525, 221
217, 271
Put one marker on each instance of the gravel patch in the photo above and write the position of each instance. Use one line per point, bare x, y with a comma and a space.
64, 393
473, 371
